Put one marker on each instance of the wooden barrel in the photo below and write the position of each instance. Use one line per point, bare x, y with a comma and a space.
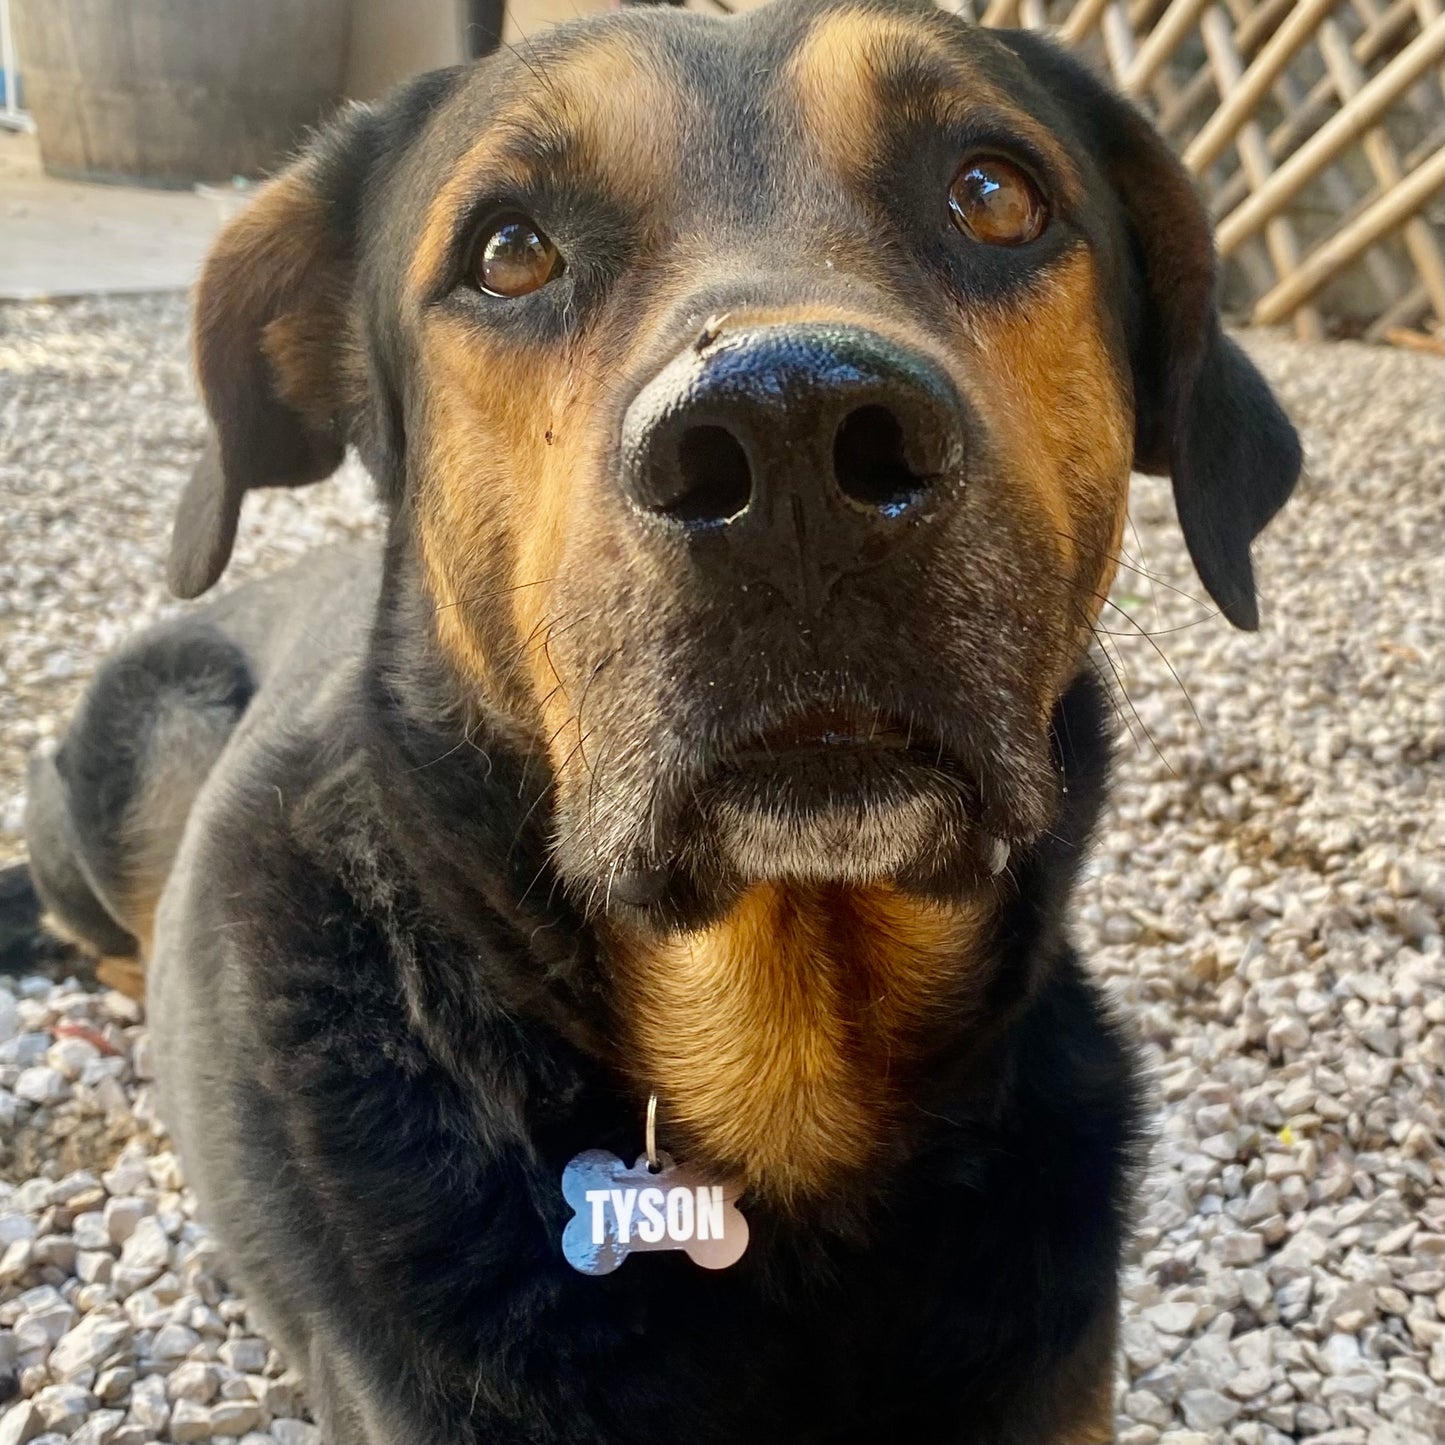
171, 92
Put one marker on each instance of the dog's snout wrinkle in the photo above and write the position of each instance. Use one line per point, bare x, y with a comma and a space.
806, 449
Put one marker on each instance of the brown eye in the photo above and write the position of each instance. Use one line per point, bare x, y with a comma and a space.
994, 201
515, 258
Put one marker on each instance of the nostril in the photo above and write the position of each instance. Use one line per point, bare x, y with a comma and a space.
715, 481
870, 460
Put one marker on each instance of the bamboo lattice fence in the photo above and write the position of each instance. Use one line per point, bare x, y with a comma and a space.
1316, 131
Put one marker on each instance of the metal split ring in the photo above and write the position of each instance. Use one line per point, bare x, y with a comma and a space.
653, 1163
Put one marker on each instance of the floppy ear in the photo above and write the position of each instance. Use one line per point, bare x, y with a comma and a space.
1204, 414
276, 337
270, 315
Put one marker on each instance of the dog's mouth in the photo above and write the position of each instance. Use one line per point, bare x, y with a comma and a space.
828, 730
929, 796
835, 793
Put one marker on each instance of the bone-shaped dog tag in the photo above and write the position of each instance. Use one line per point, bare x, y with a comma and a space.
620, 1211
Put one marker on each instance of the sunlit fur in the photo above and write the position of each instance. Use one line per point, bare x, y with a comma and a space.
785, 1032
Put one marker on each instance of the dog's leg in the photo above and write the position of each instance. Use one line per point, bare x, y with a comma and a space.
73, 909
105, 811
338, 1420
1084, 1413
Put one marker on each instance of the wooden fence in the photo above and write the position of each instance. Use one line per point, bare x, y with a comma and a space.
1316, 131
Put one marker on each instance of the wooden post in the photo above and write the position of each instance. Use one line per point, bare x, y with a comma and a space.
1284, 249
1373, 224
1000, 12
1306, 116
1176, 22
1278, 51
1358, 116
1118, 39
1083, 18
1405, 312
1384, 162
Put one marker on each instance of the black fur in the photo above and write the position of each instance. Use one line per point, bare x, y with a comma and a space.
425, 1060
382, 1013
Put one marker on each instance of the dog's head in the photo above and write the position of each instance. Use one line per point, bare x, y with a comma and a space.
755, 402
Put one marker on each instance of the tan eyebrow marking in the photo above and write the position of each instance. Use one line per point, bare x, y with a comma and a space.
838, 73
604, 104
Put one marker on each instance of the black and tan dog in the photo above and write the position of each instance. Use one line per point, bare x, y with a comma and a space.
754, 403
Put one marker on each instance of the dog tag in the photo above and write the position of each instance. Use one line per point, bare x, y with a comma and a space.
619, 1211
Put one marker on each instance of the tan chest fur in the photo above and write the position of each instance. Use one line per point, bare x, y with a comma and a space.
779, 1038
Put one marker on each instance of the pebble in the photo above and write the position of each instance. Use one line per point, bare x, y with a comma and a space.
235, 1417
150, 1405
190, 1421
20, 1424
195, 1381
122, 1215
79, 1352
174, 1342
245, 1354
40, 1084
63, 1408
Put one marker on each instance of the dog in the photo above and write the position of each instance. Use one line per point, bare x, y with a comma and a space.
711, 745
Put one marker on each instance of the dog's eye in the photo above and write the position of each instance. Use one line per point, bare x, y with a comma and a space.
514, 257
994, 201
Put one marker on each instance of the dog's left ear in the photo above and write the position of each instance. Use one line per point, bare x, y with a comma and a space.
1204, 414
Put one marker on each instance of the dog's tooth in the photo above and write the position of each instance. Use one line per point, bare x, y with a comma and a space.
993, 853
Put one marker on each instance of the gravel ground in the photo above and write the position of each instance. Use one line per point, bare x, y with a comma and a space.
1265, 903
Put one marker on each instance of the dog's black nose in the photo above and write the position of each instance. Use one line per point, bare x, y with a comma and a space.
799, 451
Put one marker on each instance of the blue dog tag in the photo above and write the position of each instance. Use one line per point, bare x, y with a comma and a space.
619, 1211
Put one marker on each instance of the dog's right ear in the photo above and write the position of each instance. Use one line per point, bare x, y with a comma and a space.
275, 330
270, 310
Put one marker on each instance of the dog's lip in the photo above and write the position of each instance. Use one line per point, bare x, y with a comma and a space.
826, 729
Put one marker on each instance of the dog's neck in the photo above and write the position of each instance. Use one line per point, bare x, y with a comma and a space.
784, 1037
792, 1041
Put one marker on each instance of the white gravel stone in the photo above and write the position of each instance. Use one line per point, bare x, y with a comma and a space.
1207, 1409
122, 1214
234, 1417
196, 1381
190, 1421
244, 1353
149, 1405
294, 1432
69, 1057
20, 1424
14, 1228
90, 1232
83, 1349
99, 1428
114, 1383
64, 1408
40, 1084
173, 1343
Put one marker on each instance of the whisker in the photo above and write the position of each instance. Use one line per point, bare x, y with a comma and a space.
487, 596
1150, 637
